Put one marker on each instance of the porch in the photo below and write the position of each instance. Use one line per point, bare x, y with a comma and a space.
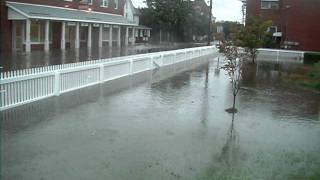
37, 27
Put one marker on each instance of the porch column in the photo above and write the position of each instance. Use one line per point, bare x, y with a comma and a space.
46, 35
100, 35
110, 36
89, 35
133, 36
77, 38
119, 37
63, 36
28, 43
126, 37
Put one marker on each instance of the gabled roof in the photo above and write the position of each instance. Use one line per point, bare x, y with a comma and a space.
134, 9
34, 11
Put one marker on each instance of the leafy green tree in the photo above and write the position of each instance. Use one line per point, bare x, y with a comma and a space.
253, 36
170, 15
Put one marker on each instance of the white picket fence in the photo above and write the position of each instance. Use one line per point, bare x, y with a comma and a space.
280, 55
29, 85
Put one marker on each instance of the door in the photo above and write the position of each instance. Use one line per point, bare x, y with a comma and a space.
18, 35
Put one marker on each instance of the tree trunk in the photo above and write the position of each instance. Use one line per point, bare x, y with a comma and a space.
234, 102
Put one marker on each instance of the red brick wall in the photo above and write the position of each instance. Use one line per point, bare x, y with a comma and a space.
5, 29
303, 23
297, 19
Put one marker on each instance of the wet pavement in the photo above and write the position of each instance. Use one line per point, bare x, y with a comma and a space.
168, 124
22, 60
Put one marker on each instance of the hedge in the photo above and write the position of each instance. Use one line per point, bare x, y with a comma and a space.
311, 57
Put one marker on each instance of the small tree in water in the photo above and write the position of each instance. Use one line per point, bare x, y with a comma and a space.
235, 65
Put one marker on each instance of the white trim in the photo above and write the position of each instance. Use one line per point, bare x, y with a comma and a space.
64, 19
102, 3
10, 2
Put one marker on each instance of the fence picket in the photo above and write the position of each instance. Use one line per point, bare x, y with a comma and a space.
22, 86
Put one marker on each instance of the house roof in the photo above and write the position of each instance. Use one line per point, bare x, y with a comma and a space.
34, 11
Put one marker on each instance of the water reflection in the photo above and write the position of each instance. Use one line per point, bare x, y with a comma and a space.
21, 60
230, 152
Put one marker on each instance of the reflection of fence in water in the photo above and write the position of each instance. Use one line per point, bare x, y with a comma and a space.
280, 55
25, 86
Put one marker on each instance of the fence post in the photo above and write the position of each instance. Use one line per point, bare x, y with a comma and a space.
131, 66
101, 73
57, 83
278, 53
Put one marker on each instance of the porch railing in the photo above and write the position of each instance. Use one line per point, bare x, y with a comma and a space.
29, 85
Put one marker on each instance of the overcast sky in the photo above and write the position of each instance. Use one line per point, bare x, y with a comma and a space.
227, 10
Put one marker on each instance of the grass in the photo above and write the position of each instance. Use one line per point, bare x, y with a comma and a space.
307, 76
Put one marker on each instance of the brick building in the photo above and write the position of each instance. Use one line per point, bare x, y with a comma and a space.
295, 22
28, 25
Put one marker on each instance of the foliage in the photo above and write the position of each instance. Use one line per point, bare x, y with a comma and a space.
306, 76
177, 17
253, 36
311, 57
229, 27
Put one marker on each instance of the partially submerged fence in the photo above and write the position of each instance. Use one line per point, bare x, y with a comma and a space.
280, 55
29, 85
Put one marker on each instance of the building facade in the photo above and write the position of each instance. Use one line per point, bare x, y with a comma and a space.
295, 22
28, 25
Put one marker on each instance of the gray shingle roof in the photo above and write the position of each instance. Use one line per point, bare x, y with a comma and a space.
34, 11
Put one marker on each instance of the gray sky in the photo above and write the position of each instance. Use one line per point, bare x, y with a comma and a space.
227, 10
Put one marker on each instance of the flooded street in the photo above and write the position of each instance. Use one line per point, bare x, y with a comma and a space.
169, 124
22, 60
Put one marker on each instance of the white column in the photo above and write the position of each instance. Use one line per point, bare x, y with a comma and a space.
119, 37
46, 35
63, 35
110, 36
28, 43
133, 36
89, 35
100, 35
126, 37
77, 38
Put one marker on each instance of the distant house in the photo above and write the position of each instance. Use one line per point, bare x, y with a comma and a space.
295, 22
142, 33
28, 25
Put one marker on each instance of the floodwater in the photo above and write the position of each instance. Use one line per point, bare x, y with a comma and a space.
22, 60
168, 124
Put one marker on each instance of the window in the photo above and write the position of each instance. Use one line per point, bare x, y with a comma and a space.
268, 4
116, 4
83, 34
272, 29
104, 3
37, 31
90, 2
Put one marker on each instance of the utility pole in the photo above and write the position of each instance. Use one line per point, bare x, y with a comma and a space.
210, 23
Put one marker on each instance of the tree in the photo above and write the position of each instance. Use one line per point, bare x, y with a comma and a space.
169, 15
253, 36
234, 66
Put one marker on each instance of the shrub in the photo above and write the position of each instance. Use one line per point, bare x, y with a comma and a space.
312, 57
